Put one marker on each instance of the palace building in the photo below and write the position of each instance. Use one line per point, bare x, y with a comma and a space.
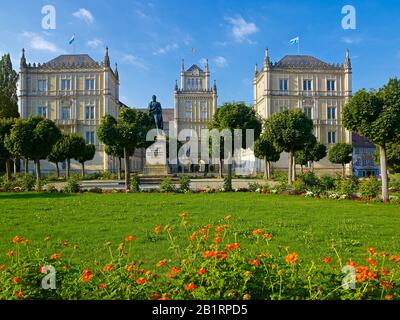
75, 92
318, 88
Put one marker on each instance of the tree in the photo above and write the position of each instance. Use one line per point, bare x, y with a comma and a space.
313, 151
8, 89
233, 116
341, 153
265, 149
33, 139
116, 152
376, 116
87, 154
128, 133
289, 130
5, 129
71, 146
56, 156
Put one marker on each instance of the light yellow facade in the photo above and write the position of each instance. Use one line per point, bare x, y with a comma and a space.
318, 88
75, 92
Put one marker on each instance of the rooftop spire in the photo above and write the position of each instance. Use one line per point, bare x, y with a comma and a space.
347, 63
215, 86
116, 71
23, 59
106, 59
256, 69
183, 66
206, 67
266, 59
176, 85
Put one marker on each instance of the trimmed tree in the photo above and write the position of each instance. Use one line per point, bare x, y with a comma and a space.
312, 152
116, 152
5, 129
8, 89
71, 146
376, 116
265, 149
56, 156
289, 130
341, 153
87, 154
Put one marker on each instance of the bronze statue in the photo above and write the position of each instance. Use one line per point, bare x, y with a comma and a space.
156, 111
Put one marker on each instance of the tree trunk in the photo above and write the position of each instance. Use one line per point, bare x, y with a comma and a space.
15, 166
343, 171
83, 169
119, 168
384, 175
127, 180
266, 174
269, 169
8, 169
58, 170
290, 168
37, 167
26, 166
294, 168
220, 169
302, 170
68, 167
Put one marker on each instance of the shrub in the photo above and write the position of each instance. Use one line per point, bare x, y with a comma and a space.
184, 183
7, 185
50, 187
167, 185
279, 176
135, 183
369, 188
309, 179
327, 182
228, 184
298, 187
346, 187
394, 182
72, 185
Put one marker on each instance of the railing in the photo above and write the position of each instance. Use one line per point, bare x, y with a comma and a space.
67, 93
305, 93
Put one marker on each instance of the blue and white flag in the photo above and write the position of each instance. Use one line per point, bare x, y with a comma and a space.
72, 39
295, 40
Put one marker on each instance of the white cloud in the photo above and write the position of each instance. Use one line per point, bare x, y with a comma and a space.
134, 61
241, 29
95, 43
37, 42
141, 14
168, 48
84, 15
350, 40
220, 61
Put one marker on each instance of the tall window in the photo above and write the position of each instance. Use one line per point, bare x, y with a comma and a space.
308, 112
89, 137
66, 113
203, 110
42, 85
330, 85
65, 84
188, 109
89, 112
42, 111
89, 84
283, 85
307, 85
332, 137
331, 113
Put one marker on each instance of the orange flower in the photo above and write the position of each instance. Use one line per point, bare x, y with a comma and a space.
170, 275
102, 286
389, 297
164, 298
387, 285
326, 260
55, 256
232, 246
292, 258
267, 236
20, 294
190, 287
87, 275
161, 263
209, 226
17, 239
255, 263
11, 253
155, 296
183, 215
203, 231
217, 240
141, 281
203, 238
16, 280
384, 272
157, 229
176, 270
130, 267
192, 238
130, 238
65, 243
371, 250
201, 271
109, 268
371, 262
257, 231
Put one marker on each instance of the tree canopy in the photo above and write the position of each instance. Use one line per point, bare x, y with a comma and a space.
341, 153
8, 89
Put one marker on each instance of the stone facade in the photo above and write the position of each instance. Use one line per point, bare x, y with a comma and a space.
75, 92
316, 87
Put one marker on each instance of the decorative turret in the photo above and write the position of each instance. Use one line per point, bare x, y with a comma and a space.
256, 69
176, 86
106, 59
215, 86
23, 60
206, 66
267, 61
347, 63
116, 71
183, 66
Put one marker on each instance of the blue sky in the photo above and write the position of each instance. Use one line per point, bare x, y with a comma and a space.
148, 39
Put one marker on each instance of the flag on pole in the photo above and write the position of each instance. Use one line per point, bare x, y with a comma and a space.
72, 39
295, 40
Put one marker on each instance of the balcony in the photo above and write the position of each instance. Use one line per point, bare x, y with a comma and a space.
306, 93
66, 93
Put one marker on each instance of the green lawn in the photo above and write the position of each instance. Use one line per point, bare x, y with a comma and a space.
307, 226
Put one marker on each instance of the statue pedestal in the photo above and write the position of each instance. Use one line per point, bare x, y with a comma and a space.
155, 170
156, 158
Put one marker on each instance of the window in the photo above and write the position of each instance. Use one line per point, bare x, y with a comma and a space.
89, 112
89, 137
307, 85
283, 108
66, 113
330, 85
331, 113
188, 109
331, 137
42, 85
65, 84
283, 85
89, 84
203, 110
308, 112
42, 111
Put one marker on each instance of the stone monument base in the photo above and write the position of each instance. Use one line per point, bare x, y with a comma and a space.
156, 170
